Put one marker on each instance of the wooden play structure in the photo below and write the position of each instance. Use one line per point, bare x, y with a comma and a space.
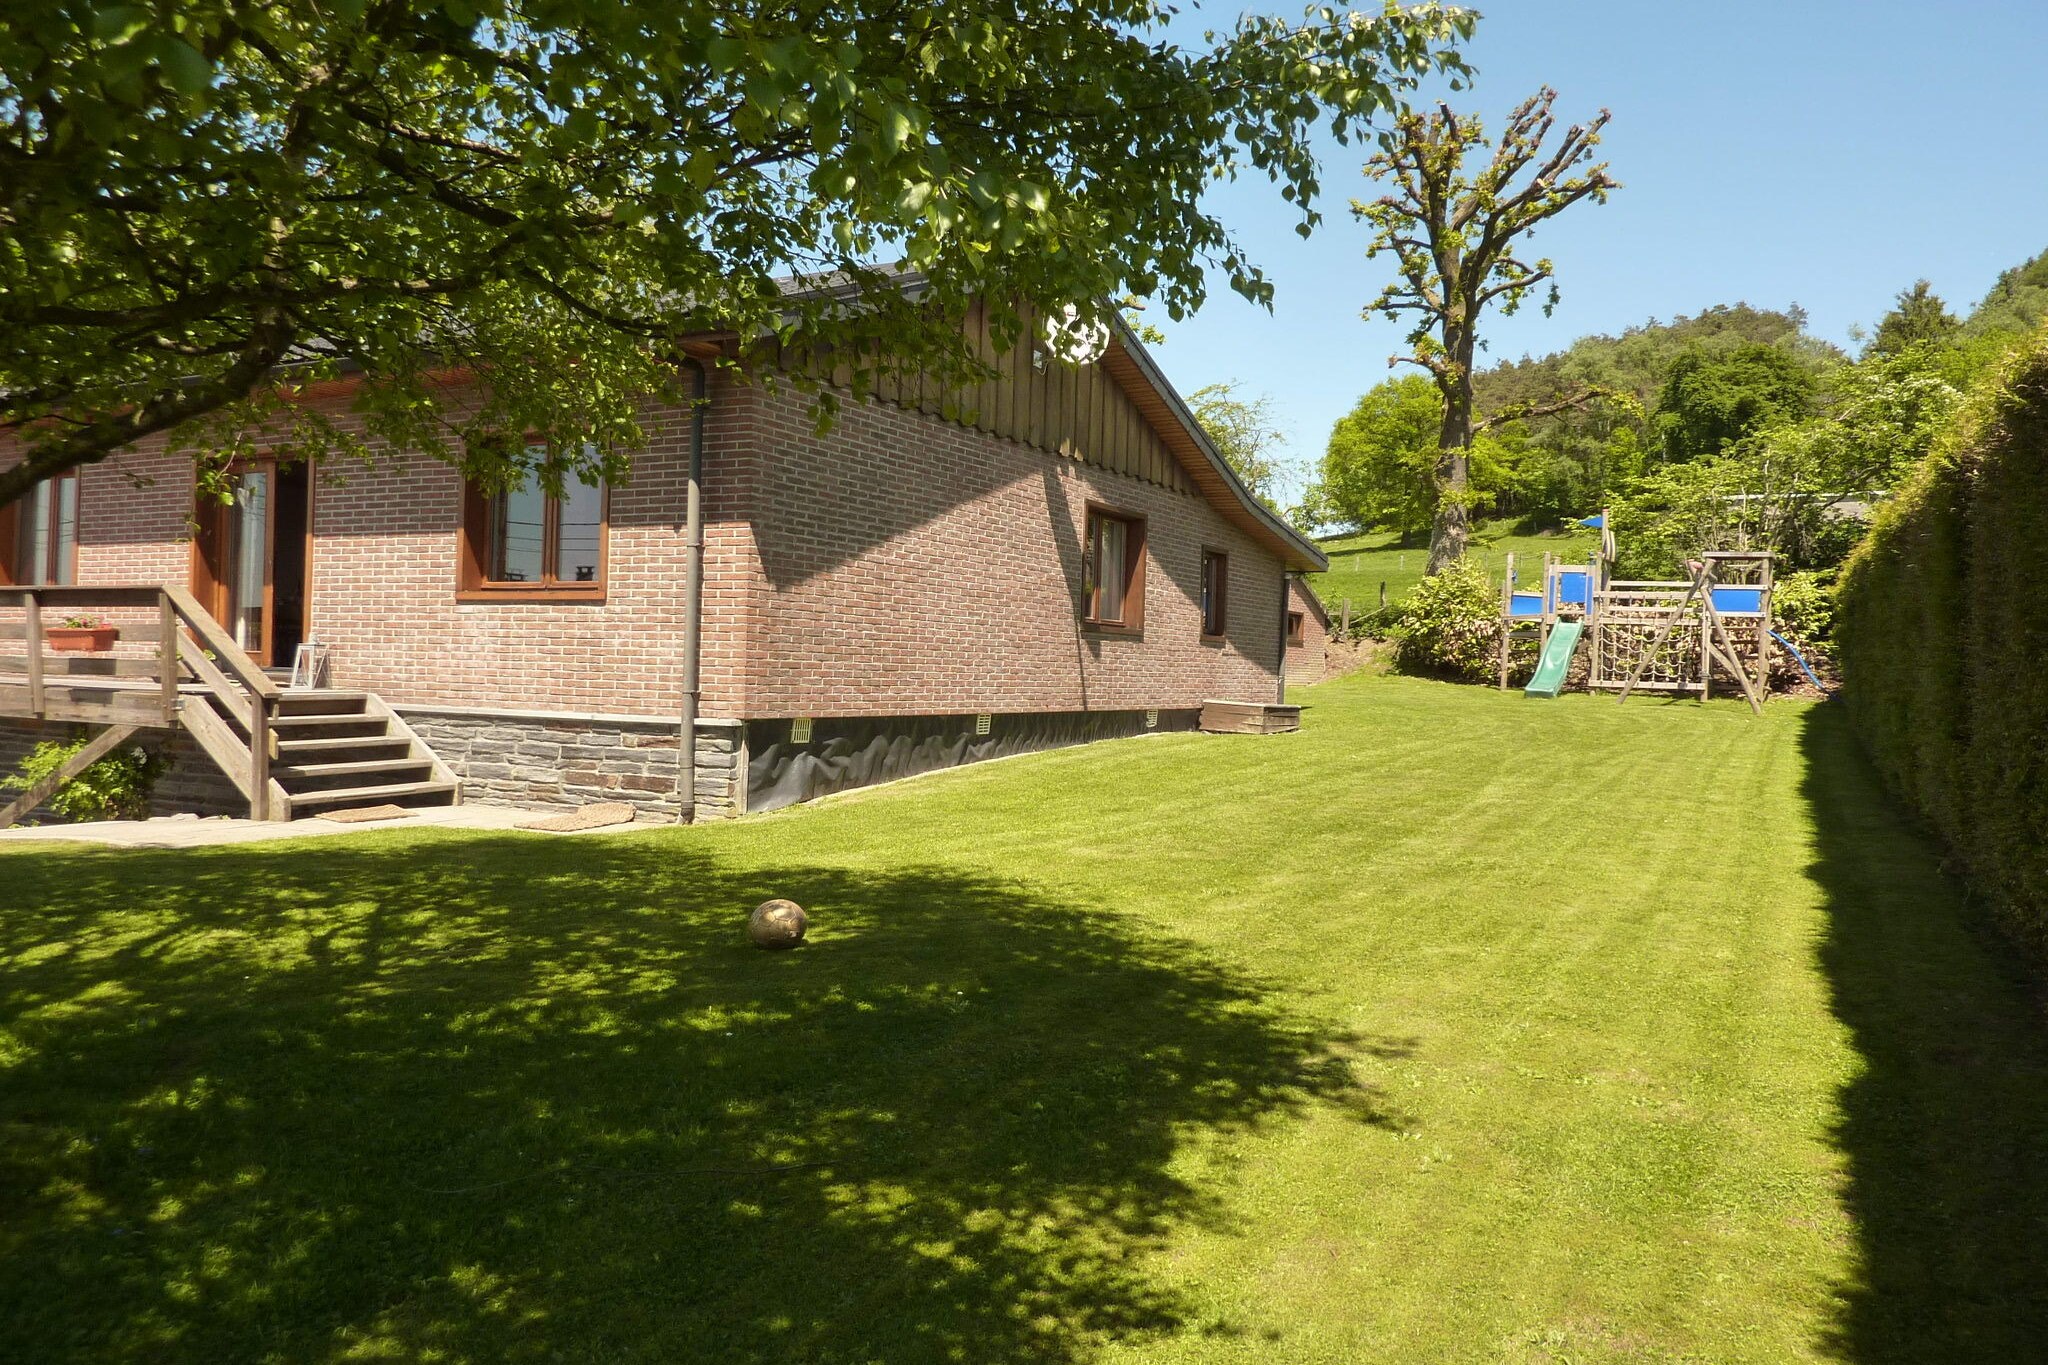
1674, 636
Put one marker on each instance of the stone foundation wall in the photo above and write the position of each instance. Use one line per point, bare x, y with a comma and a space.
509, 758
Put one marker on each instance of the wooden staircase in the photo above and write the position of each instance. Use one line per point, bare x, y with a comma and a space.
290, 752
337, 750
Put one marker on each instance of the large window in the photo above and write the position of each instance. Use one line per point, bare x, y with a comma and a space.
1215, 592
522, 542
39, 534
1116, 571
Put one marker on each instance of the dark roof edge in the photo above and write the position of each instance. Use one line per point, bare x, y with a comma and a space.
1311, 557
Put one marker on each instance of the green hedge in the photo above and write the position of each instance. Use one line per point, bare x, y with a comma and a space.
1941, 630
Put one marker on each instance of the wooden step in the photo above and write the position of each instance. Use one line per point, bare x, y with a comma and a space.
324, 702
399, 793
329, 747
345, 767
300, 779
328, 725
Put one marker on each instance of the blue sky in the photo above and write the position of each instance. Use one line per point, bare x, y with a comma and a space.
1815, 152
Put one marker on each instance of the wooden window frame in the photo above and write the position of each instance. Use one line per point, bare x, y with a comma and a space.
1133, 620
473, 546
11, 531
1297, 629
1222, 613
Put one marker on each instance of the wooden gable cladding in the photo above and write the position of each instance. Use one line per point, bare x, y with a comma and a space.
1083, 412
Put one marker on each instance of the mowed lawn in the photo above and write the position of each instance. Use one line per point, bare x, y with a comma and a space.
1457, 1027
1359, 564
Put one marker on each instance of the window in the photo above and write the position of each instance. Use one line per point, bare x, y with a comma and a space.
522, 543
1116, 571
1295, 626
40, 540
1215, 592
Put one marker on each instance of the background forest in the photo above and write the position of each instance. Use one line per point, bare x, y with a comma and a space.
1730, 428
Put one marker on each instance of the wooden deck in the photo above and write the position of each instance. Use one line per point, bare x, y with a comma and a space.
289, 752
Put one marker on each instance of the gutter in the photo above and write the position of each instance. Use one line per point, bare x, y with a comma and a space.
1286, 594
693, 602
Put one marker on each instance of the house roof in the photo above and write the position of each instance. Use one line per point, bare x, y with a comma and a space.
1139, 375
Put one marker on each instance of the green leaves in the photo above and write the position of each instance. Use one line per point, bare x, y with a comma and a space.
119, 23
546, 194
184, 69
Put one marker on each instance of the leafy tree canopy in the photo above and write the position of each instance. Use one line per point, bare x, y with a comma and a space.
1918, 316
1244, 432
1711, 400
2016, 305
1379, 471
544, 195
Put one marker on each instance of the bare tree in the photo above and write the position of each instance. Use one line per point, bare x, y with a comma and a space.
1454, 238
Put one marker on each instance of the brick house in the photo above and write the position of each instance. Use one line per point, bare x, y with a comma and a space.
1058, 556
1308, 633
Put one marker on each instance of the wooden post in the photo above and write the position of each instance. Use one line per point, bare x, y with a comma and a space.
167, 656
259, 757
1507, 616
1344, 630
33, 634
1383, 594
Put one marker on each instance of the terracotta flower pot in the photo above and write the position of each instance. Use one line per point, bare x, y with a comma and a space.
81, 639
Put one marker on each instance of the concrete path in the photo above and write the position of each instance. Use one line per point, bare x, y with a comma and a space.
177, 832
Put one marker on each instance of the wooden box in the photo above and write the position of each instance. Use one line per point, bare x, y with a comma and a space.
1249, 717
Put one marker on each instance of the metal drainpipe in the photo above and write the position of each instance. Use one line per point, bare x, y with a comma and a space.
693, 602
1286, 587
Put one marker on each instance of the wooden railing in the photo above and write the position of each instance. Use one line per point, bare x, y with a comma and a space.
188, 660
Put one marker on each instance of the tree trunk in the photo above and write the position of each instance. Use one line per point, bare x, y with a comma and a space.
1451, 530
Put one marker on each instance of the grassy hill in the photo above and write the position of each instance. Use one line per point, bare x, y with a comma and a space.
1359, 564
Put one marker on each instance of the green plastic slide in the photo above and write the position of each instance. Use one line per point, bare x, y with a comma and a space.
1557, 657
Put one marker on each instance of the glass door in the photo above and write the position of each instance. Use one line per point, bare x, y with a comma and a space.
245, 605
232, 567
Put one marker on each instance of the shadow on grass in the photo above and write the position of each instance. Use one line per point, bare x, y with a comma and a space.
1946, 1129
513, 1099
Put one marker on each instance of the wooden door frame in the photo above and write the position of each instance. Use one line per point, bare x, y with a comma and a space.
210, 526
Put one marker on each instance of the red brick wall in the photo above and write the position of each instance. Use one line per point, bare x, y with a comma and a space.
911, 566
1305, 662
898, 565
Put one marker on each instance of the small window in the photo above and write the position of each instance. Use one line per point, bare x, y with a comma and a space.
1296, 623
43, 530
521, 542
1115, 569
1215, 592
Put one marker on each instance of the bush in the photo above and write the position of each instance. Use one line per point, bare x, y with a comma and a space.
1449, 626
1941, 620
1804, 604
117, 787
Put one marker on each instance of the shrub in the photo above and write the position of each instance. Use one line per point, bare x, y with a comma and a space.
117, 787
1804, 604
1449, 626
1941, 620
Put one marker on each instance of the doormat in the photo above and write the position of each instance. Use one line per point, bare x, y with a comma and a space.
361, 814
595, 816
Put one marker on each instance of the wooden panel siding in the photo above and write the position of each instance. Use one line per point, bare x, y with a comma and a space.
1084, 412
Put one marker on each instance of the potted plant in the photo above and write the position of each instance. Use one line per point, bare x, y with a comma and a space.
82, 635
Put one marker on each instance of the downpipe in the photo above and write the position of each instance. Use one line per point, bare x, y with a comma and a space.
693, 601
